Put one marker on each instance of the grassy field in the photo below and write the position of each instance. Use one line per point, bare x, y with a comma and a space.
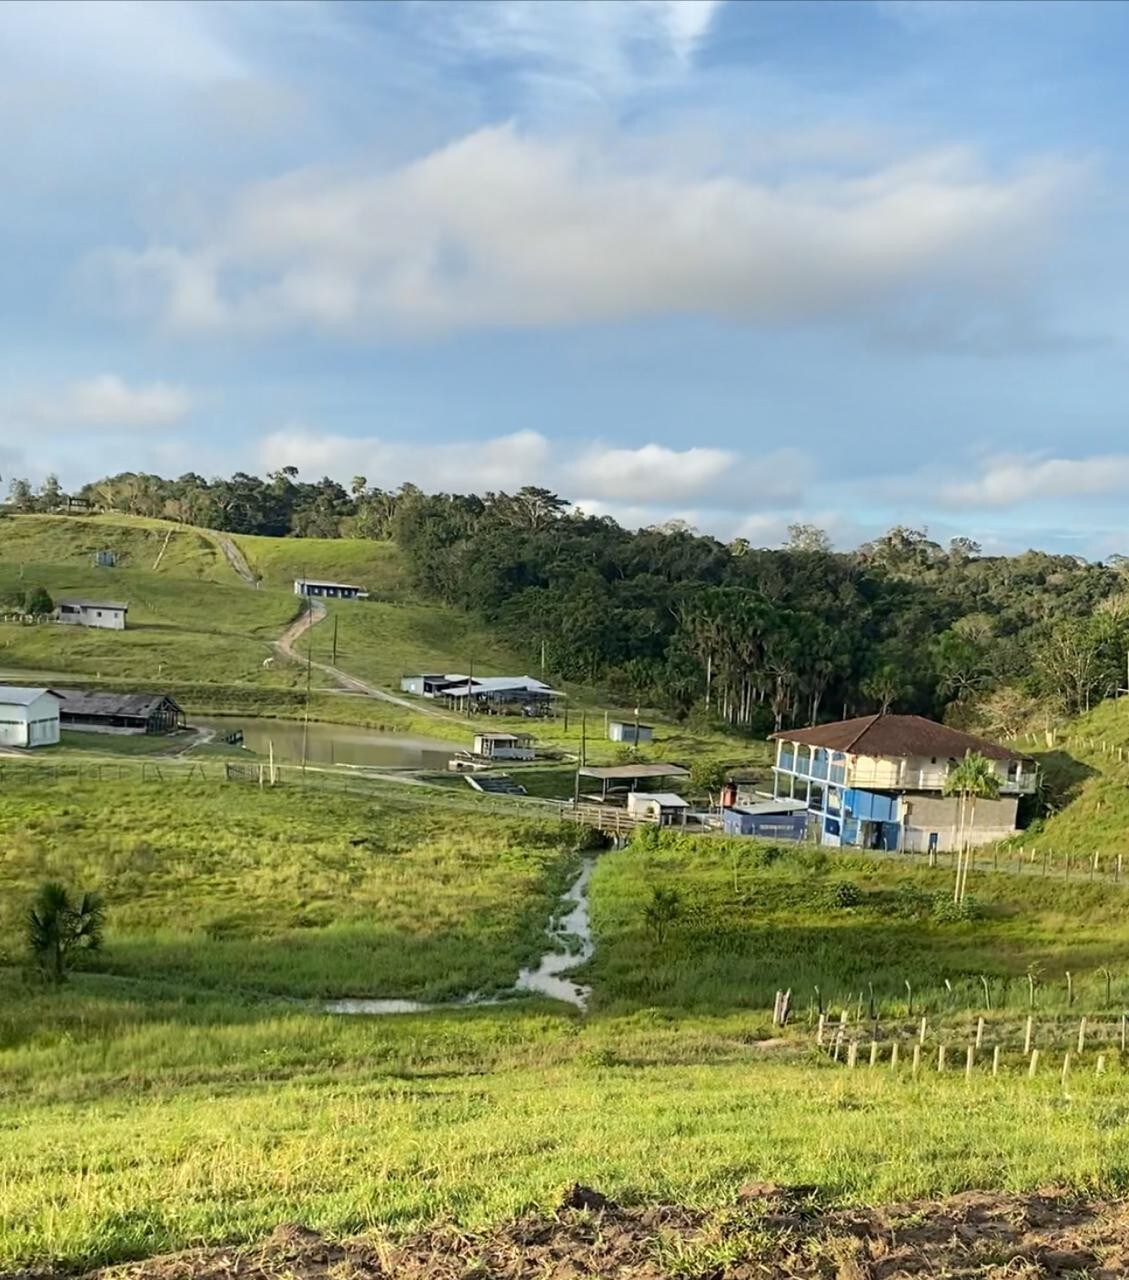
757, 919
182, 1088
288, 893
276, 562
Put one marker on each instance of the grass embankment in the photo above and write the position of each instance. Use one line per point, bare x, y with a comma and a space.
756, 919
300, 894
160, 1099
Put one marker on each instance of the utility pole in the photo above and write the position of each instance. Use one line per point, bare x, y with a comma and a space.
580, 760
306, 716
335, 639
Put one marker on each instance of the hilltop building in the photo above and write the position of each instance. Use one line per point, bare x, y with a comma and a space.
28, 717
877, 782
330, 590
110, 615
496, 695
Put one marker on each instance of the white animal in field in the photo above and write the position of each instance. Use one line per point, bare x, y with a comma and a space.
268, 662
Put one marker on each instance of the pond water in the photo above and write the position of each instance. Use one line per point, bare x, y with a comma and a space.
334, 743
572, 937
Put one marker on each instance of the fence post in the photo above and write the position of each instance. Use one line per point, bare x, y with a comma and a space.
996, 1061
1082, 1034
874, 1053
940, 1058
1028, 1034
1099, 1067
916, 1059
979, 1032
1065, 1067
969, 1059
1034, 1064
921, 1032
894, 1056
819, 1029
1124, 1031
852, 1054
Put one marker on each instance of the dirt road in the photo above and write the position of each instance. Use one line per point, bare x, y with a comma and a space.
236, 559
310, 617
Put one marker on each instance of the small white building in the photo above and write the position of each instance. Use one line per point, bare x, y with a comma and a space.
108, 614
630, 731
504, 746
29, 717
663, 807
330, 590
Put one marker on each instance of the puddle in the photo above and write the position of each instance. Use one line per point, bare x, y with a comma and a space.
573, 934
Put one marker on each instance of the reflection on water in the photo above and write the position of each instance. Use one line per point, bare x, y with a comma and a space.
572, 932
335, 743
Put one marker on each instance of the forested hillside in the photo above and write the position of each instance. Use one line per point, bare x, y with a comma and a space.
671, 618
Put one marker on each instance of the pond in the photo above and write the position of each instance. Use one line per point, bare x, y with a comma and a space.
334, 743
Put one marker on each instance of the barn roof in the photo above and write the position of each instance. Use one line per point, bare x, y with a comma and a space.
18, 695
82, 702
615, 772
79, 603
890, 735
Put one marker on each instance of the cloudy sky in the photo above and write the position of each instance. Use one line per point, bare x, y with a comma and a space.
856, 263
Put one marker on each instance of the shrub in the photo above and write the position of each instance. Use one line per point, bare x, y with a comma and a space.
845, 893
946, 911
38, 602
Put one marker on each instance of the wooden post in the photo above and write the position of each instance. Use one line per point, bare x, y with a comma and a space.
1065, 1067
940, 1058
1124, 1031
1034, 1064
979, 1032
996, 1061
1117, 873
894, 1055
921, 1032
852, 1054
1028, 1034
819, 1029
1099, 1067
838, 1046
1082, 1035
776, 1009
969, 1059
916, 1059
874, 1053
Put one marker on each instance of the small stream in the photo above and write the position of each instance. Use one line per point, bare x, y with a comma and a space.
572, 932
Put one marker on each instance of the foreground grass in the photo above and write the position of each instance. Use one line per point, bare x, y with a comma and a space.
157, 1126
288, 892
755, 919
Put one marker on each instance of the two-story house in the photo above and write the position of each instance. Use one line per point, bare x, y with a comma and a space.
877, 782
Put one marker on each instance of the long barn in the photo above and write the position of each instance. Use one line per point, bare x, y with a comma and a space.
120, 712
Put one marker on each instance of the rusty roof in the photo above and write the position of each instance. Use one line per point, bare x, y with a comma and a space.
890, 735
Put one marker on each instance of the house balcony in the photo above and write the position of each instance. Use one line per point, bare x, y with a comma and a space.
892, 774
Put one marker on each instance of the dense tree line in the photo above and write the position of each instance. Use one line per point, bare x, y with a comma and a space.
666, 616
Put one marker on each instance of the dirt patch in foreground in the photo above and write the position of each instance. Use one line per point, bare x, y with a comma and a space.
772, 1232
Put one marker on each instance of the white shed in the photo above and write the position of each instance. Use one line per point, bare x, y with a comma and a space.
504, 746
630, 731
108, 614
28, 717
663, 807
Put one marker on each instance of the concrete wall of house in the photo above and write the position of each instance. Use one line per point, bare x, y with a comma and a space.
105, 619
412, 684
924, 815
36, 725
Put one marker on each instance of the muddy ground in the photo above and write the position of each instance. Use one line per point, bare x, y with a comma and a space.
772, 1232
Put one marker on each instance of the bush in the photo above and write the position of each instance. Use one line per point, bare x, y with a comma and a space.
845, 893
38, 602
909, 903
946, 911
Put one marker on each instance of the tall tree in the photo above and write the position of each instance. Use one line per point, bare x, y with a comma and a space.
974, 778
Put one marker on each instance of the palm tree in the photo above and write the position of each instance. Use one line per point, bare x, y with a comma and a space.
58, 928
975, 778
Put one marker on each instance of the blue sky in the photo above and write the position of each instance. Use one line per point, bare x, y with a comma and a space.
734, 263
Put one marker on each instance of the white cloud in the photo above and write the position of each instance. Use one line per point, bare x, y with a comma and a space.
652, 478
106, 401
502, 230
605, 48
1011, 481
